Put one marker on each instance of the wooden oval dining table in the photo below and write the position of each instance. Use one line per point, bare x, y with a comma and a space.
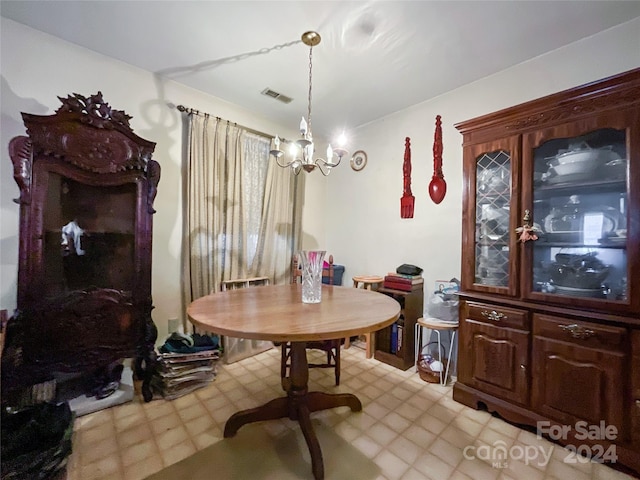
276, 313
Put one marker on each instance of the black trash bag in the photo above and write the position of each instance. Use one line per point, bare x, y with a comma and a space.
36, 441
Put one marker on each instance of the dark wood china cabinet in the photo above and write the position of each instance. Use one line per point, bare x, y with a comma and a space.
550, 310
87, 186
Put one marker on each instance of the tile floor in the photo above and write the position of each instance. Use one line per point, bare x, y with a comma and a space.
409, 428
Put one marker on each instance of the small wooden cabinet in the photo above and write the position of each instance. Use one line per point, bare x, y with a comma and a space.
403, 355
550, 295
497, 351
87, 185
590, 357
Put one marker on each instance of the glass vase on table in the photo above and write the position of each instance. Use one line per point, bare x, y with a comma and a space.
312, 262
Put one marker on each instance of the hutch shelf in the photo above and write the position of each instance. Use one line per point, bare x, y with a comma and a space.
550, 303
394, 345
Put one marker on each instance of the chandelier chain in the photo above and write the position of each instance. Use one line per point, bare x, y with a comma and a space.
310, 77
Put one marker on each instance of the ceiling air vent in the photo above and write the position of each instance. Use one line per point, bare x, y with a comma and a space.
278, 96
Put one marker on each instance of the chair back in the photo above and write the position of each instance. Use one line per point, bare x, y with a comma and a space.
331, 347
243, 283
327, 272
236, 349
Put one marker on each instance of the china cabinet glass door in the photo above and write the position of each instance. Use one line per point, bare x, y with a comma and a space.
491, 221
579, 204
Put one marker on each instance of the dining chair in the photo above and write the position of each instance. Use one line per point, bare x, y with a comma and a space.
330, 347
236, 349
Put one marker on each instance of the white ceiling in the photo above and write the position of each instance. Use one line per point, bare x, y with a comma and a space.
375, 58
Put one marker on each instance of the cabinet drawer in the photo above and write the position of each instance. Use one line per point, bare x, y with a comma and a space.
496, 315
585, 333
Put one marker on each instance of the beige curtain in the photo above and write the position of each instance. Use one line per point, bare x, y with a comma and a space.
243, 212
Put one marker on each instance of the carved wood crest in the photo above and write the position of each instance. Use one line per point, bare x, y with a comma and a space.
98, 112
88, 133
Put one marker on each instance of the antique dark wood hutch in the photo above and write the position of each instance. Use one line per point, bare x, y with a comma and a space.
87, 186
550, 310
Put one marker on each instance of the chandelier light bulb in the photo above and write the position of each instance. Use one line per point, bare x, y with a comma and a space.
276, 142
303, 126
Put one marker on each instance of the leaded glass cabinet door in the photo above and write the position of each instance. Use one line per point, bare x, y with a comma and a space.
580, 203
489, 260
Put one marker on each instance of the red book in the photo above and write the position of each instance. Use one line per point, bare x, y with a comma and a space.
402, 275
404, 280
405, 287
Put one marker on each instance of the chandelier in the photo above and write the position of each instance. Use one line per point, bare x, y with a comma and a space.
302, 150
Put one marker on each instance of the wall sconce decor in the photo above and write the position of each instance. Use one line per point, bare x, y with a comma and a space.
359, 160
437, 186
407, 201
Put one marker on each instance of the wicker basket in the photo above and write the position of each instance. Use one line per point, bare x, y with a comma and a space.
425, 372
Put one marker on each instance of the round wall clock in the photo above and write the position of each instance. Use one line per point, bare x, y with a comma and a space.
359, 160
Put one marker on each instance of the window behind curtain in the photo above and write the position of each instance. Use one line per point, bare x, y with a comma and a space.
242, 211
256, 162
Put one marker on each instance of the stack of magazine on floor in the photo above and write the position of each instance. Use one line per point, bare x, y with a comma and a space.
185, 363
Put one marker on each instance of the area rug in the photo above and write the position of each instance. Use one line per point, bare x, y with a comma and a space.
253, 454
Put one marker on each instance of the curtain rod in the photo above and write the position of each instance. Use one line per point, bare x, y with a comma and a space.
184, 109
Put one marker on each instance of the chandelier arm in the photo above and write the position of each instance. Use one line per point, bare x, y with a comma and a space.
324, 168
287, 164
328, 164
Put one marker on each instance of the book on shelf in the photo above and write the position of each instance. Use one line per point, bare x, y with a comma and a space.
404, 275
396, 277
394, 338
404, 287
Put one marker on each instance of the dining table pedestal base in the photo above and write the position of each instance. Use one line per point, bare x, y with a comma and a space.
297, 406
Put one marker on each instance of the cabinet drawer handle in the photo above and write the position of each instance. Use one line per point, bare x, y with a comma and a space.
577, 331
493, 315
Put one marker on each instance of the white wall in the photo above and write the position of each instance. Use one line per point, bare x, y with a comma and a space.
364, 228
36, 69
